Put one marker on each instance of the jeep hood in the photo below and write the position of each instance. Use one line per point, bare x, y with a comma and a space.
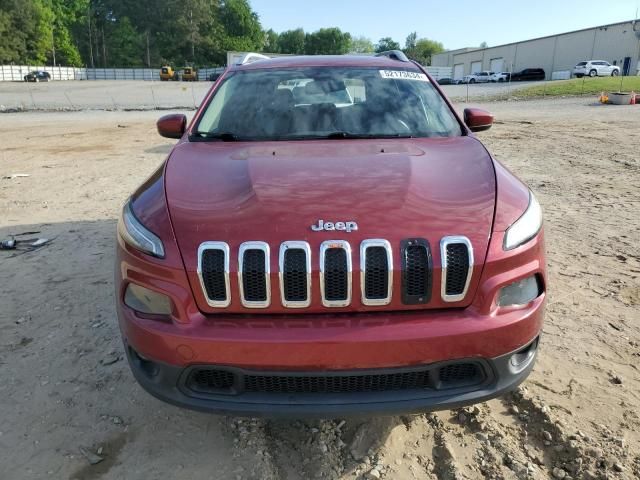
273, 192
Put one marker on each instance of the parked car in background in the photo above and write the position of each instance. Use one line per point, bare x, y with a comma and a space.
251, 283
445, 81
189, 74
214, 76
500, 77
529, 74
596, 68
37, 76
168, 73
478, 77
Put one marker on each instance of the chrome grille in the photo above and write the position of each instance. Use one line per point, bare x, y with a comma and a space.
335, 273
376, 272
457, 266
213, 272
335, 261
253, 275
295, 274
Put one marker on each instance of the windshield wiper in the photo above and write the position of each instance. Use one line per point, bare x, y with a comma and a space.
339, 135
224, 136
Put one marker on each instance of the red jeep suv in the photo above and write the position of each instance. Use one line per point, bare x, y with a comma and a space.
328, 237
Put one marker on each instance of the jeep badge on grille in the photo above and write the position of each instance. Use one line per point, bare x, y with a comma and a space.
331, 226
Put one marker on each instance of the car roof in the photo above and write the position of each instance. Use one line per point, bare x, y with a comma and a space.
327, 61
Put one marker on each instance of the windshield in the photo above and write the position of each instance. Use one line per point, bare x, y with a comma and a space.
325, 102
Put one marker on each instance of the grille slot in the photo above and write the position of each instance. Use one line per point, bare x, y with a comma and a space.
376, 270
335, 273
210, 381
253, 275
458, 374
457, 265
213, 271
213, 380
417, 266
295, 274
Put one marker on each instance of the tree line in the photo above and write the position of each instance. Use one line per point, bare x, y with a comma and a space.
125, 33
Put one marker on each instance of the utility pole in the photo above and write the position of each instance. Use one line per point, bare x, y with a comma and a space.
104, 50
148, 54
53, 45
90, 39
193, 43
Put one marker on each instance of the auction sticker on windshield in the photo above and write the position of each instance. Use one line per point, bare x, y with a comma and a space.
403, 75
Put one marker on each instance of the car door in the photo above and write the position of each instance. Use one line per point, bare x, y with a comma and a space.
607, 68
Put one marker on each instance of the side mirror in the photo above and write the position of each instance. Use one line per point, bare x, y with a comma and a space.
172, 126
477, 119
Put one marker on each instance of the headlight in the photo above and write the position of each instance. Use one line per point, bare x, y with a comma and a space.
137, 235
526, 227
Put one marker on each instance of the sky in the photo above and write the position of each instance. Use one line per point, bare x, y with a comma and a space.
455, 23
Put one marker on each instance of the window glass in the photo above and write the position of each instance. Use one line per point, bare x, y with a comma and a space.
317, 102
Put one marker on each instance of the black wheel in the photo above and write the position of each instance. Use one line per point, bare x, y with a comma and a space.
473, 80
615, 73
501, 80
593, 73
579, 75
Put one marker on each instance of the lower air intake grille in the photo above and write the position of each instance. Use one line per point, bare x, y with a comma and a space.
213, 275
376, 278
457, 268
336, 275
337, 384
294, 275
211, 380
253, 276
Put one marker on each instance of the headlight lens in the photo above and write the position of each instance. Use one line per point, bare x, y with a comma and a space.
526, 227
144, 300
137, 235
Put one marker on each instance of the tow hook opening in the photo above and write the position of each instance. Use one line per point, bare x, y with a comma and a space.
146, 366
523, 357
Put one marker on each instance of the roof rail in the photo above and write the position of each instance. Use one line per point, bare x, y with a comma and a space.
251, 57
394, 54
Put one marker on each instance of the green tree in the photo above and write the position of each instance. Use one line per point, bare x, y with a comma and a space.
424, 50
361, 45
20, 29
410, 42
291, 41
271, 39
484, 45
327, 41
125, 44
387, 43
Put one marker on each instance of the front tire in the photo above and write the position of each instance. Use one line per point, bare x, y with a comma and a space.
615, 73
473, 80
593, 73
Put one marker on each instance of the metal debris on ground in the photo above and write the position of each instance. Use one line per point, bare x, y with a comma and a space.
23, 245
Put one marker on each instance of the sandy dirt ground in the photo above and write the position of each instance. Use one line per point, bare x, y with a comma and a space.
69, 407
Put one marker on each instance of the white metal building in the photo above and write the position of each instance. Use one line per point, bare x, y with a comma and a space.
617, 43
